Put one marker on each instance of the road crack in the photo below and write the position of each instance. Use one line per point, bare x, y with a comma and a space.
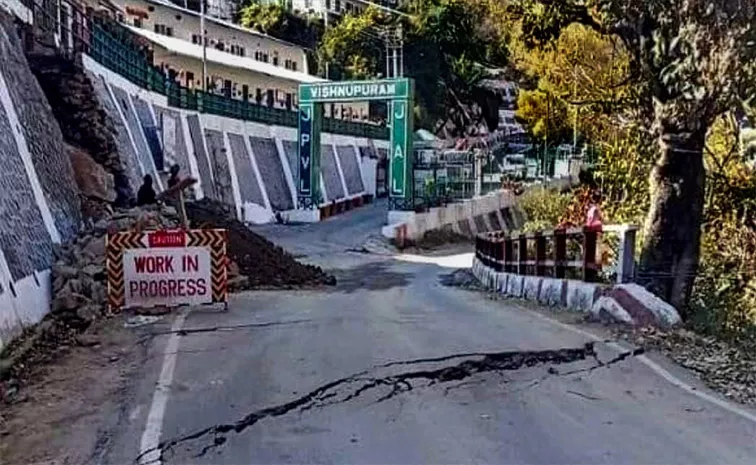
358, 385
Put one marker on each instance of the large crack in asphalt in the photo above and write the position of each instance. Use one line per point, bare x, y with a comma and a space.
354, 386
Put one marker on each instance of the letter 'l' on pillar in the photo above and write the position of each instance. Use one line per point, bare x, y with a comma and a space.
308, 147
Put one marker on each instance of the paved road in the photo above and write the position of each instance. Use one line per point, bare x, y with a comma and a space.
393, 366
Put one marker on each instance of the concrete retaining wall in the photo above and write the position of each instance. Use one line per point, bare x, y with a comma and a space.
492, 212
39, 204
251, 167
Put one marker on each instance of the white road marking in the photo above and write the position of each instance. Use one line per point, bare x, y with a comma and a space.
656, 368
148, 447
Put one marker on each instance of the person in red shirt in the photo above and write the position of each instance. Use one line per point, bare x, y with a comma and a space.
594, 218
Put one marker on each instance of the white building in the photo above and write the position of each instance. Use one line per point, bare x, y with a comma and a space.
240, 63
335, 8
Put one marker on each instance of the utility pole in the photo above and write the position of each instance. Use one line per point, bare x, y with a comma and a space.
577, 109
203, 34
401, 51
325, 31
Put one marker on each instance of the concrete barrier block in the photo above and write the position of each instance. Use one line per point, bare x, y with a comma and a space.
663, 313
608, 309
531, 287
553, 292
501, 284
514, 286
581, 296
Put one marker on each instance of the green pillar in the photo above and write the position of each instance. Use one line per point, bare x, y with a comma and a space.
401, 154
308, 189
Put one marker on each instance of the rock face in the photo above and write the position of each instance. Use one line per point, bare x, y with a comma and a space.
83, 120
91, 177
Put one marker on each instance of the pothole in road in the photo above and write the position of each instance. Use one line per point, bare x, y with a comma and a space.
462, 278
370, 277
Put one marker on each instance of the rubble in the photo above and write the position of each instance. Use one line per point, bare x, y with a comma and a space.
79, 291
263, 264
79, 279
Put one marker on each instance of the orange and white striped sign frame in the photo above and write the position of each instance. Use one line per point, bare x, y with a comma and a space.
143, 245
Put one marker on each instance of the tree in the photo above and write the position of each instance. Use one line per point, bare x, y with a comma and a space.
693, 60
353, 48
446, 44
274, 19
544, 114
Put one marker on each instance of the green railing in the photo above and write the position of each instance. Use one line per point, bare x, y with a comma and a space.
115, 47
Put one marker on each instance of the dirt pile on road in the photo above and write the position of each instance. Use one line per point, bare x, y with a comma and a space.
255, 261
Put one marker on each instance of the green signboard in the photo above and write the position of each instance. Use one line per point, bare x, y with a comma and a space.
349, 91
399, 93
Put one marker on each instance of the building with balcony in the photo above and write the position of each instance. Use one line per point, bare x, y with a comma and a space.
239, 63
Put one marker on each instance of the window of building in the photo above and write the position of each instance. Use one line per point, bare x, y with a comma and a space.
242, 52
137, 22
220, 46
337, 5
275, 58
258, 96
178, 17
270, 100
245, 92
293, 65
196, 39
189, 79
289, 101
163, 29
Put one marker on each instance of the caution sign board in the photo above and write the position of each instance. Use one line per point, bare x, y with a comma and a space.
167, 267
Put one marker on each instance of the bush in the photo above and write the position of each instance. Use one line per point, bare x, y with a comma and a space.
543, 208
724, 295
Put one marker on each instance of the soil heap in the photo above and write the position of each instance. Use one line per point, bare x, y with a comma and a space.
255, 261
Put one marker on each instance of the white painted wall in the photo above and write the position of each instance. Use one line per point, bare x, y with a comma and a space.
245, 211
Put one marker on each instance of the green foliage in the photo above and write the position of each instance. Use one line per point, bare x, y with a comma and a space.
724, 296
352, 48
274, 19
445, 42
544, 208
545, 115
689, 63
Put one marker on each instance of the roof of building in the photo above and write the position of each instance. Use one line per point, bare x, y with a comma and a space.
221, 22
182, 47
